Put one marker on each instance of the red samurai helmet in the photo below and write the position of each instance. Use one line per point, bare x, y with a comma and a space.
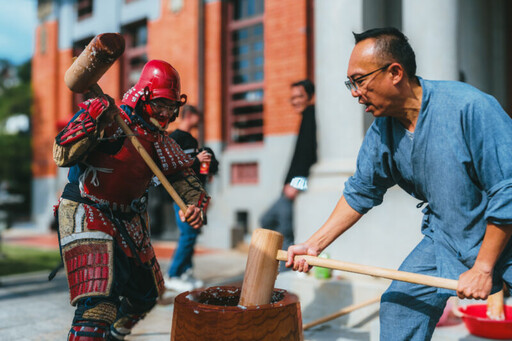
158, 82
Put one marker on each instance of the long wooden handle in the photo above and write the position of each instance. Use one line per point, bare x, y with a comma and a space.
341, 312
151, 164
374, 271
144, 154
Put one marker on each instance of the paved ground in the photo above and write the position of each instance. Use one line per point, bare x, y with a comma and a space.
31, 308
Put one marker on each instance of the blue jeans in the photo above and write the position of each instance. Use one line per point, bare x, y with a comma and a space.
182, 258
279, 217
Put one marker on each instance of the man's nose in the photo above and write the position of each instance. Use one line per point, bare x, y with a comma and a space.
354, 92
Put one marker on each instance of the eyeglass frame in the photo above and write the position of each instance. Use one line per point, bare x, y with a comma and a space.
351, 84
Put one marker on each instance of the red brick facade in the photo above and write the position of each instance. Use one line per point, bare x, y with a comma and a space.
285, 61
45, 81
213, 82
174, 37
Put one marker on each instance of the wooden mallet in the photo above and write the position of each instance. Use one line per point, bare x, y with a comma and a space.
264, 256
83, 75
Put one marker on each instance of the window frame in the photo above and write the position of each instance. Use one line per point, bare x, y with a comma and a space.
81, 4
131, 52
231, 88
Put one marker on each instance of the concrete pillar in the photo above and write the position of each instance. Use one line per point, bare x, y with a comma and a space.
338, 115
431, 27
389, 232
474, 45
43, 199
498, 18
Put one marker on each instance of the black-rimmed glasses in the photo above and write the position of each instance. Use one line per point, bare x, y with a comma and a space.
354, 84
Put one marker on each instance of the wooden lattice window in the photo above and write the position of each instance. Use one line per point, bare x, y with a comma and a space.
84, 9
135, 54
245, 76
244, 173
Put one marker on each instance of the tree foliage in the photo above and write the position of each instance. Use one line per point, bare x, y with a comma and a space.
15, 149
15, 90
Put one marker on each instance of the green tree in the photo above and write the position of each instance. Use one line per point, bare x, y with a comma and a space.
15, 149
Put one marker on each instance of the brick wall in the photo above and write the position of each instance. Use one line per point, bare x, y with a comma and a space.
110, 81
213, 72
64, 96
46, 104
173, 38
285, 62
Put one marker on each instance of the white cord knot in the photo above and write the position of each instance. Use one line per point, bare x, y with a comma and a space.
94, 170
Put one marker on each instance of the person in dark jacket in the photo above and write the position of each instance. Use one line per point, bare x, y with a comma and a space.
179, 276
279, 216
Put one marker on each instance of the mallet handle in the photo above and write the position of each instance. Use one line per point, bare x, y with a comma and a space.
397, 275
151, 164
144, 154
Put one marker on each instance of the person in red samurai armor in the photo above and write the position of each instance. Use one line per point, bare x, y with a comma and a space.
114, 278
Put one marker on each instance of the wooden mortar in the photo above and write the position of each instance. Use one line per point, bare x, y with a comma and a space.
214, 314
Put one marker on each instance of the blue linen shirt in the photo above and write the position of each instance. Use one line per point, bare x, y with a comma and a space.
459, 162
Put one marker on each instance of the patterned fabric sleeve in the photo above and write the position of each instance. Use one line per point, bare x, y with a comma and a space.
366, 188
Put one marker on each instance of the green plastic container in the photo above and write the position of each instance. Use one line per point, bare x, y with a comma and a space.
320, 272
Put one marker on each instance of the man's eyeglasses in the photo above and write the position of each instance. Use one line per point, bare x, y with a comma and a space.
354, 84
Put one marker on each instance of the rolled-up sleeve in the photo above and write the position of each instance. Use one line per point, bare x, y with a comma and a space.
366, 188
499, 208
490, 140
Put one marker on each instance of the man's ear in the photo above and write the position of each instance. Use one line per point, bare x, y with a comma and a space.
397, 73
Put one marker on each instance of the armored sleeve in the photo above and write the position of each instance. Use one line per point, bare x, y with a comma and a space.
83, 132
189, 188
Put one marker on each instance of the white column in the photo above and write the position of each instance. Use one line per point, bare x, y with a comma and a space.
338, 115
431, 27
474, 45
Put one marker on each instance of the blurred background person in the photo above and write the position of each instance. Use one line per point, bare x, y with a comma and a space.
180, 274
279, 216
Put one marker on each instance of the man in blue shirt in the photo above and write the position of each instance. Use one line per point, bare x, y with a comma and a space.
448, 145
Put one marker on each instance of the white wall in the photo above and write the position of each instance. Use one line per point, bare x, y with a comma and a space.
273, 158
43, 198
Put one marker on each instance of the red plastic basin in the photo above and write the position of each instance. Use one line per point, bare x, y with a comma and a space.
476, 321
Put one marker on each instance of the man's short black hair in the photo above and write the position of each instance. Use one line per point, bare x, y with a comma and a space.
308, 86
391, 45
189, 109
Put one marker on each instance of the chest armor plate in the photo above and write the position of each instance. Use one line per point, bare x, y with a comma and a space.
124, 176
